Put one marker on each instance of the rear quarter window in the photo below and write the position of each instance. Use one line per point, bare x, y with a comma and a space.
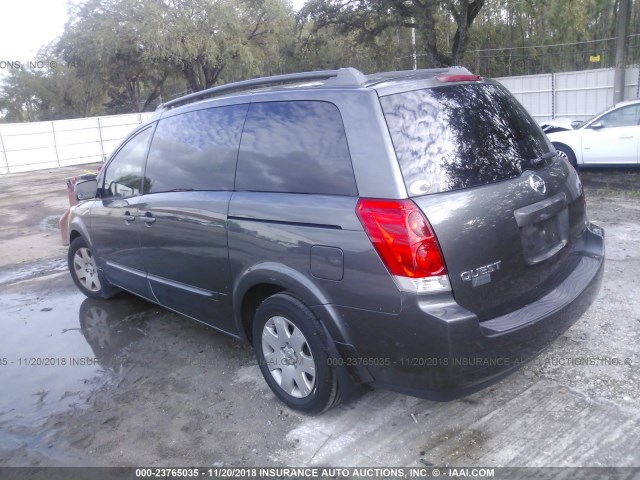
295, 147
460, 136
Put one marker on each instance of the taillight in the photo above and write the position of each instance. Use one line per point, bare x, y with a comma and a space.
459, 78
406, 243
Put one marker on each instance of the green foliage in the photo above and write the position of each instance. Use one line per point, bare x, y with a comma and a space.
48, 94
522, 37
207, 40
122, 56
328, 48
369, 18
104, 45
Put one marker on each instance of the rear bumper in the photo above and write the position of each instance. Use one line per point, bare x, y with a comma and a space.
436, 349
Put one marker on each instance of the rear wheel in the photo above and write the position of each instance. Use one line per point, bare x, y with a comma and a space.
85, 273
567, 154
291, 348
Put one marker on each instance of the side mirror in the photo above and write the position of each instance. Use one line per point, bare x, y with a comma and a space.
86, 189
575, 124
597, 125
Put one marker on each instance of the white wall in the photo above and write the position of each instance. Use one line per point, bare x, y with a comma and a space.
576, 95
38, 145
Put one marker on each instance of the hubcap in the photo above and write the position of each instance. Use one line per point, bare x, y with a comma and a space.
86, 270
562, 155
288, 357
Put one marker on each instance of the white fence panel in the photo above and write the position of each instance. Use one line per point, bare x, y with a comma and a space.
3, 160
29, 141
580, 95
78, 141
575, 95
632, 83
535, 92
79, 154
28, 146
33, 159
80, 136
9, 129
38, 145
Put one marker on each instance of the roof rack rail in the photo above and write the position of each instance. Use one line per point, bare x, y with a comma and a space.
409, 72
341, 77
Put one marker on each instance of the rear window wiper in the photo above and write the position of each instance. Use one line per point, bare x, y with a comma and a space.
542, 158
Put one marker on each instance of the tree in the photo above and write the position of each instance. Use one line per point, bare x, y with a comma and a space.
521, 37
104, 44
51, 93
371, 17
327, 48
205, 38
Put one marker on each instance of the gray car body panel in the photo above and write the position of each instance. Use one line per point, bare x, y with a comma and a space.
262, 226
478, 227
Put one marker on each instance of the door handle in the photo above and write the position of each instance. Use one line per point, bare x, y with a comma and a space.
128, 218
626, 137
149, 219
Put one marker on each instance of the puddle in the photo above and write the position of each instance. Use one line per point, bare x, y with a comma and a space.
58, 347
32, 270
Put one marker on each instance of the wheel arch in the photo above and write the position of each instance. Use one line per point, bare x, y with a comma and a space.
73, 235
568, 147
79, 229
259, 282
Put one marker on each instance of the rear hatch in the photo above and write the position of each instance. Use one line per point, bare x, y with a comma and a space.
505, 211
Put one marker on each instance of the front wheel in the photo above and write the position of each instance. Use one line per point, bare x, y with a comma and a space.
85, 273
292, 351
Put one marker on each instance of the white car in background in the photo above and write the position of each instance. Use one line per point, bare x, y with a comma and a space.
610, 138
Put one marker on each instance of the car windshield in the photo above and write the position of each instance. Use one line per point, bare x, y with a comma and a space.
461, 136
584, 122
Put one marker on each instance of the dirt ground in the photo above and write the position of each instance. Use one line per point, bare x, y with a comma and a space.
126, 383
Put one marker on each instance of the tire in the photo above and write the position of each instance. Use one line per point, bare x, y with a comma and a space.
85, 273
567, 154
292, 352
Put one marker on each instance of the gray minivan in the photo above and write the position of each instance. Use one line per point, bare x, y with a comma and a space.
409, 230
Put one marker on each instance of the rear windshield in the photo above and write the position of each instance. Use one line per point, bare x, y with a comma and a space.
461, 136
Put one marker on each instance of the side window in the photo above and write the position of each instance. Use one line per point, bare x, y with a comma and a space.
124, 173
195, 150
622, 117
295, 147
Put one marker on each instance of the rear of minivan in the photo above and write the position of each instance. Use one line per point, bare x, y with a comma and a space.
492, 250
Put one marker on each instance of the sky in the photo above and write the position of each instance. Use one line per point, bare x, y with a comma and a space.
28, 25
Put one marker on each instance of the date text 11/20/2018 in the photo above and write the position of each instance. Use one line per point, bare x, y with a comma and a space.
55, 361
